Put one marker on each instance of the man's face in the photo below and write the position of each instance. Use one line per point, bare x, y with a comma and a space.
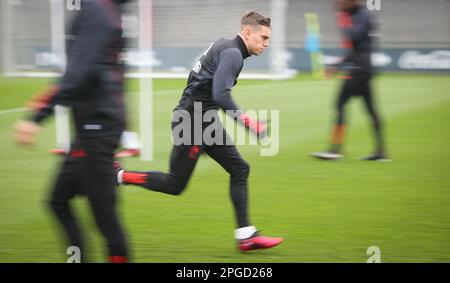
258, 39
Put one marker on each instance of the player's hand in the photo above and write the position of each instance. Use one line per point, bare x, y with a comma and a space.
330, 71
41, 100
25, 133
257, 127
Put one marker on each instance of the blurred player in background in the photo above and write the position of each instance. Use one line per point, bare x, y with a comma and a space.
92, 86
357, 28
210, 83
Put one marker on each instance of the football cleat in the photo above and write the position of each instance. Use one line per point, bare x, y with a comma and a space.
258, 242
128, 153
58, 151
327, 155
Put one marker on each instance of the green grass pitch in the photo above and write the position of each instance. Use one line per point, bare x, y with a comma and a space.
326, 211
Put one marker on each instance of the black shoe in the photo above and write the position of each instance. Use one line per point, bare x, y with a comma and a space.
375, 157
327, 155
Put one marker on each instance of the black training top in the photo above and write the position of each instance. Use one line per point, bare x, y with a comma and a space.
360, 34
92, 84
211, 79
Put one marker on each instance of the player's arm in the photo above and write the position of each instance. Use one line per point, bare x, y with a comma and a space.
229, 66
343, 20
359, 27
353, 30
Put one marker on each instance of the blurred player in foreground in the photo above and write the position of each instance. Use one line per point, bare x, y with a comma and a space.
92, 86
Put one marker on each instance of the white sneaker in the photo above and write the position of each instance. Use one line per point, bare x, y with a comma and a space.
327, 155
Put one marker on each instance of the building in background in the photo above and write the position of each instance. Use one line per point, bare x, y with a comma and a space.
413, 35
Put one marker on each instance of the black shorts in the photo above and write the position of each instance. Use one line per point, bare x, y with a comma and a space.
89, 161
358, 84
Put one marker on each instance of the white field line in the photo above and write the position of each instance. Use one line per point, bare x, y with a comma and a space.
13, 110
159, 92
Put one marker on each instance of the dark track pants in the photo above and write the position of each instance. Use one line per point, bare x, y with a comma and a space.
182, 163
88, 170
360, 85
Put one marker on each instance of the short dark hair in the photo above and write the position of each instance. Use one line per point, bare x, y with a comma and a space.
254, 18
